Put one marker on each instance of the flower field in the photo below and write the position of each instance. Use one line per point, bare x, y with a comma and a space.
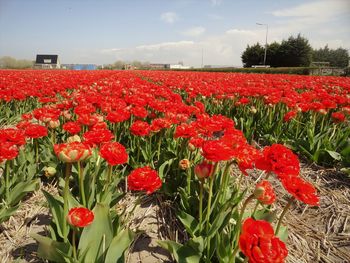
193, 138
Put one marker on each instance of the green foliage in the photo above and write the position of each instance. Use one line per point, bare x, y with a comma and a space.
336, 57
253, 55
12, 63
293, 52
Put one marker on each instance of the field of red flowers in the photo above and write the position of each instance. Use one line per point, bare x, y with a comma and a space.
190, 137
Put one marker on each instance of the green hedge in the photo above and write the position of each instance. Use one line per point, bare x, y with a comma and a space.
291, 70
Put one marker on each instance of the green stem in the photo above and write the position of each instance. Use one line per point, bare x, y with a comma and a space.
81, 184
211, 182
74, 246
255, 207
200, 204
7, 181
225, 179
188, 171
239, 225
65, 199
36, 150
290, 201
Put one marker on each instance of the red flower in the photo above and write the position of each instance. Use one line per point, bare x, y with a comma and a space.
80, 217
35, 131
144, 179
264, 192
258, 242
114, 153
204, 169
118, 116
72, 127
96, 137
72, 152
290, 115
8, 151
15, 136
140, 112
301, 190
280, 160
217, 151
184, 131
140, 128
338, 116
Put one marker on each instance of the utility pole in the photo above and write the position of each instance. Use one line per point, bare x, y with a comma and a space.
267, 30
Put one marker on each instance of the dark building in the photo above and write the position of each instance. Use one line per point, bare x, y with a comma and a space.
47, 62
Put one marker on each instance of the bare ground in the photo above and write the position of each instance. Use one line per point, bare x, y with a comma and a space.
315, 234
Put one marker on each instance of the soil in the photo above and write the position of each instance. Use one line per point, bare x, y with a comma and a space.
315, 234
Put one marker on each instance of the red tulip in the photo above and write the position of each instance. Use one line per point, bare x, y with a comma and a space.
80, 217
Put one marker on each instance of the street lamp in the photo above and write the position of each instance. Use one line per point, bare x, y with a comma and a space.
267, 30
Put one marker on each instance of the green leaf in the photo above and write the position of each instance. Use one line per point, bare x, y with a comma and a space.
118, 246
334, 155
56, 208
283, 233
220, 222
52, 250
190, 223
21, 189
181, 253
5, 213
266, 215
97, 237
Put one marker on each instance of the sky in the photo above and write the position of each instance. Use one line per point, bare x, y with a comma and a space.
196, 32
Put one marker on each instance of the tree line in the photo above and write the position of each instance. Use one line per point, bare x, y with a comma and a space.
294, 52
12, 63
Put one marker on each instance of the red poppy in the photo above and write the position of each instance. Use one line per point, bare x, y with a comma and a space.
35, 131
114, 153
258, 242
144, 179
264, 192
72, 127
301, 190
140, 128
72, 152
80, 217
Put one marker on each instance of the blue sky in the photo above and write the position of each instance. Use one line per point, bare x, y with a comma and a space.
164, 31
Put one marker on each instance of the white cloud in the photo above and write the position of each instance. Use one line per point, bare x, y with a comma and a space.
322, 9
236, 31
194, 31
169, 17
166, 45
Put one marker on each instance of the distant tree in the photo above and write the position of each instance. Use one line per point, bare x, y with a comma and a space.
336, 57
295, 52
253, 55
273, 57
12, 63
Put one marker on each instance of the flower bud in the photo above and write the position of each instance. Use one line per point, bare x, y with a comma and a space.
184, 164
191, 147
264, 193
204, 169
74, 138
50, 171
54, 124
253, 110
